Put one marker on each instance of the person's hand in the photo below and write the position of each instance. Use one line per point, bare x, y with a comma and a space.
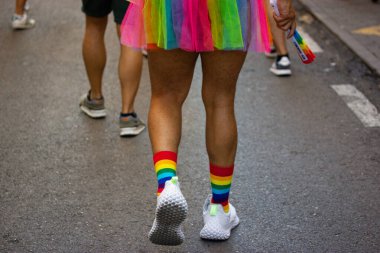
287, 19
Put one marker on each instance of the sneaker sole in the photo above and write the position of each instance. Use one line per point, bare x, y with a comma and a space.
95, 114
281, 72
16, 27
214, 235
29, 24
131, 131
166, 228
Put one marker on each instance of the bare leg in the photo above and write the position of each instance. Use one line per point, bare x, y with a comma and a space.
20, 4
171, 73
130, 67
278, 34
94, 53
221, 70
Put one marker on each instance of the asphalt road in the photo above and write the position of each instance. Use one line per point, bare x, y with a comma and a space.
307, 170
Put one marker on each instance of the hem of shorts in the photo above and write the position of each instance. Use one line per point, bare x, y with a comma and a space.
95, 15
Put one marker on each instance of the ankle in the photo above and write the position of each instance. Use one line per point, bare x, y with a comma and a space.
165, 165
221, 179
128, 110
18, 16
19, 12
95, 95
129, 114
225, 204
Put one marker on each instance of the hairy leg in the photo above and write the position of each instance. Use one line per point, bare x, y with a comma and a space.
130, 67
94, 53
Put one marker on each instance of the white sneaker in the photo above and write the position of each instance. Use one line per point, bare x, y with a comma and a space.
218, 224
170, 213
144, 53
281, 66
22, 22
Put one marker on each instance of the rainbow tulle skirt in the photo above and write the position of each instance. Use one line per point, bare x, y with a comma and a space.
196, 25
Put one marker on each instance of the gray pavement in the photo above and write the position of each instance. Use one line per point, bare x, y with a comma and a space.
307, 170
355, 22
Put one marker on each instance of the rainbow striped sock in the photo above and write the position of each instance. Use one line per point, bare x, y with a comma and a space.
221, 179
165, 165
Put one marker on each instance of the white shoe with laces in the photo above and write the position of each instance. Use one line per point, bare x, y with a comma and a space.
170, 213
281, 66
218, 224
22, 22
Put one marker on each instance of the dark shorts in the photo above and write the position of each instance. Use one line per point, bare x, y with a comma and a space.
101, 8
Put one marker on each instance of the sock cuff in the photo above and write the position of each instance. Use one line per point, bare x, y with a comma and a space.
221, 171
123, 115
164, 155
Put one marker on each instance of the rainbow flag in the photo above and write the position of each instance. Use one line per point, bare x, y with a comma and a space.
304, 52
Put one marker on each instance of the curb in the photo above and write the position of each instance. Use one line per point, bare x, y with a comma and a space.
369, 59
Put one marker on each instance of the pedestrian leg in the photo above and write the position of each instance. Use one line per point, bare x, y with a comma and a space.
220, 74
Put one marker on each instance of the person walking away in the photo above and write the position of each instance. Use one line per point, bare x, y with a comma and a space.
21, 19
176, 34
94, 56
282, 65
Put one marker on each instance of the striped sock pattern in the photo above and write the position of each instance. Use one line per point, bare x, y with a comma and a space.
221, 179
165, 165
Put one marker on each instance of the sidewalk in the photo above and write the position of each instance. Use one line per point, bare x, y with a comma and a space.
355, 22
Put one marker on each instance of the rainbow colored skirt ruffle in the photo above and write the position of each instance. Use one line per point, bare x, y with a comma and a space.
196, 25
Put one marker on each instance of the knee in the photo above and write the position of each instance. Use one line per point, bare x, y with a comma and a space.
169, 96
213, 100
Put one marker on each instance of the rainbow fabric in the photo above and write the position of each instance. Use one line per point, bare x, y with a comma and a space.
196, 25
221, 179
165, 165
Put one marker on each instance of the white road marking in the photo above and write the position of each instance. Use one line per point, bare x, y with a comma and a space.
359, 104
372, 30
310, 41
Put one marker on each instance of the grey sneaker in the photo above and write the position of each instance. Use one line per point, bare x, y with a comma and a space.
22, 22
130, 124
93, 108
281, 67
